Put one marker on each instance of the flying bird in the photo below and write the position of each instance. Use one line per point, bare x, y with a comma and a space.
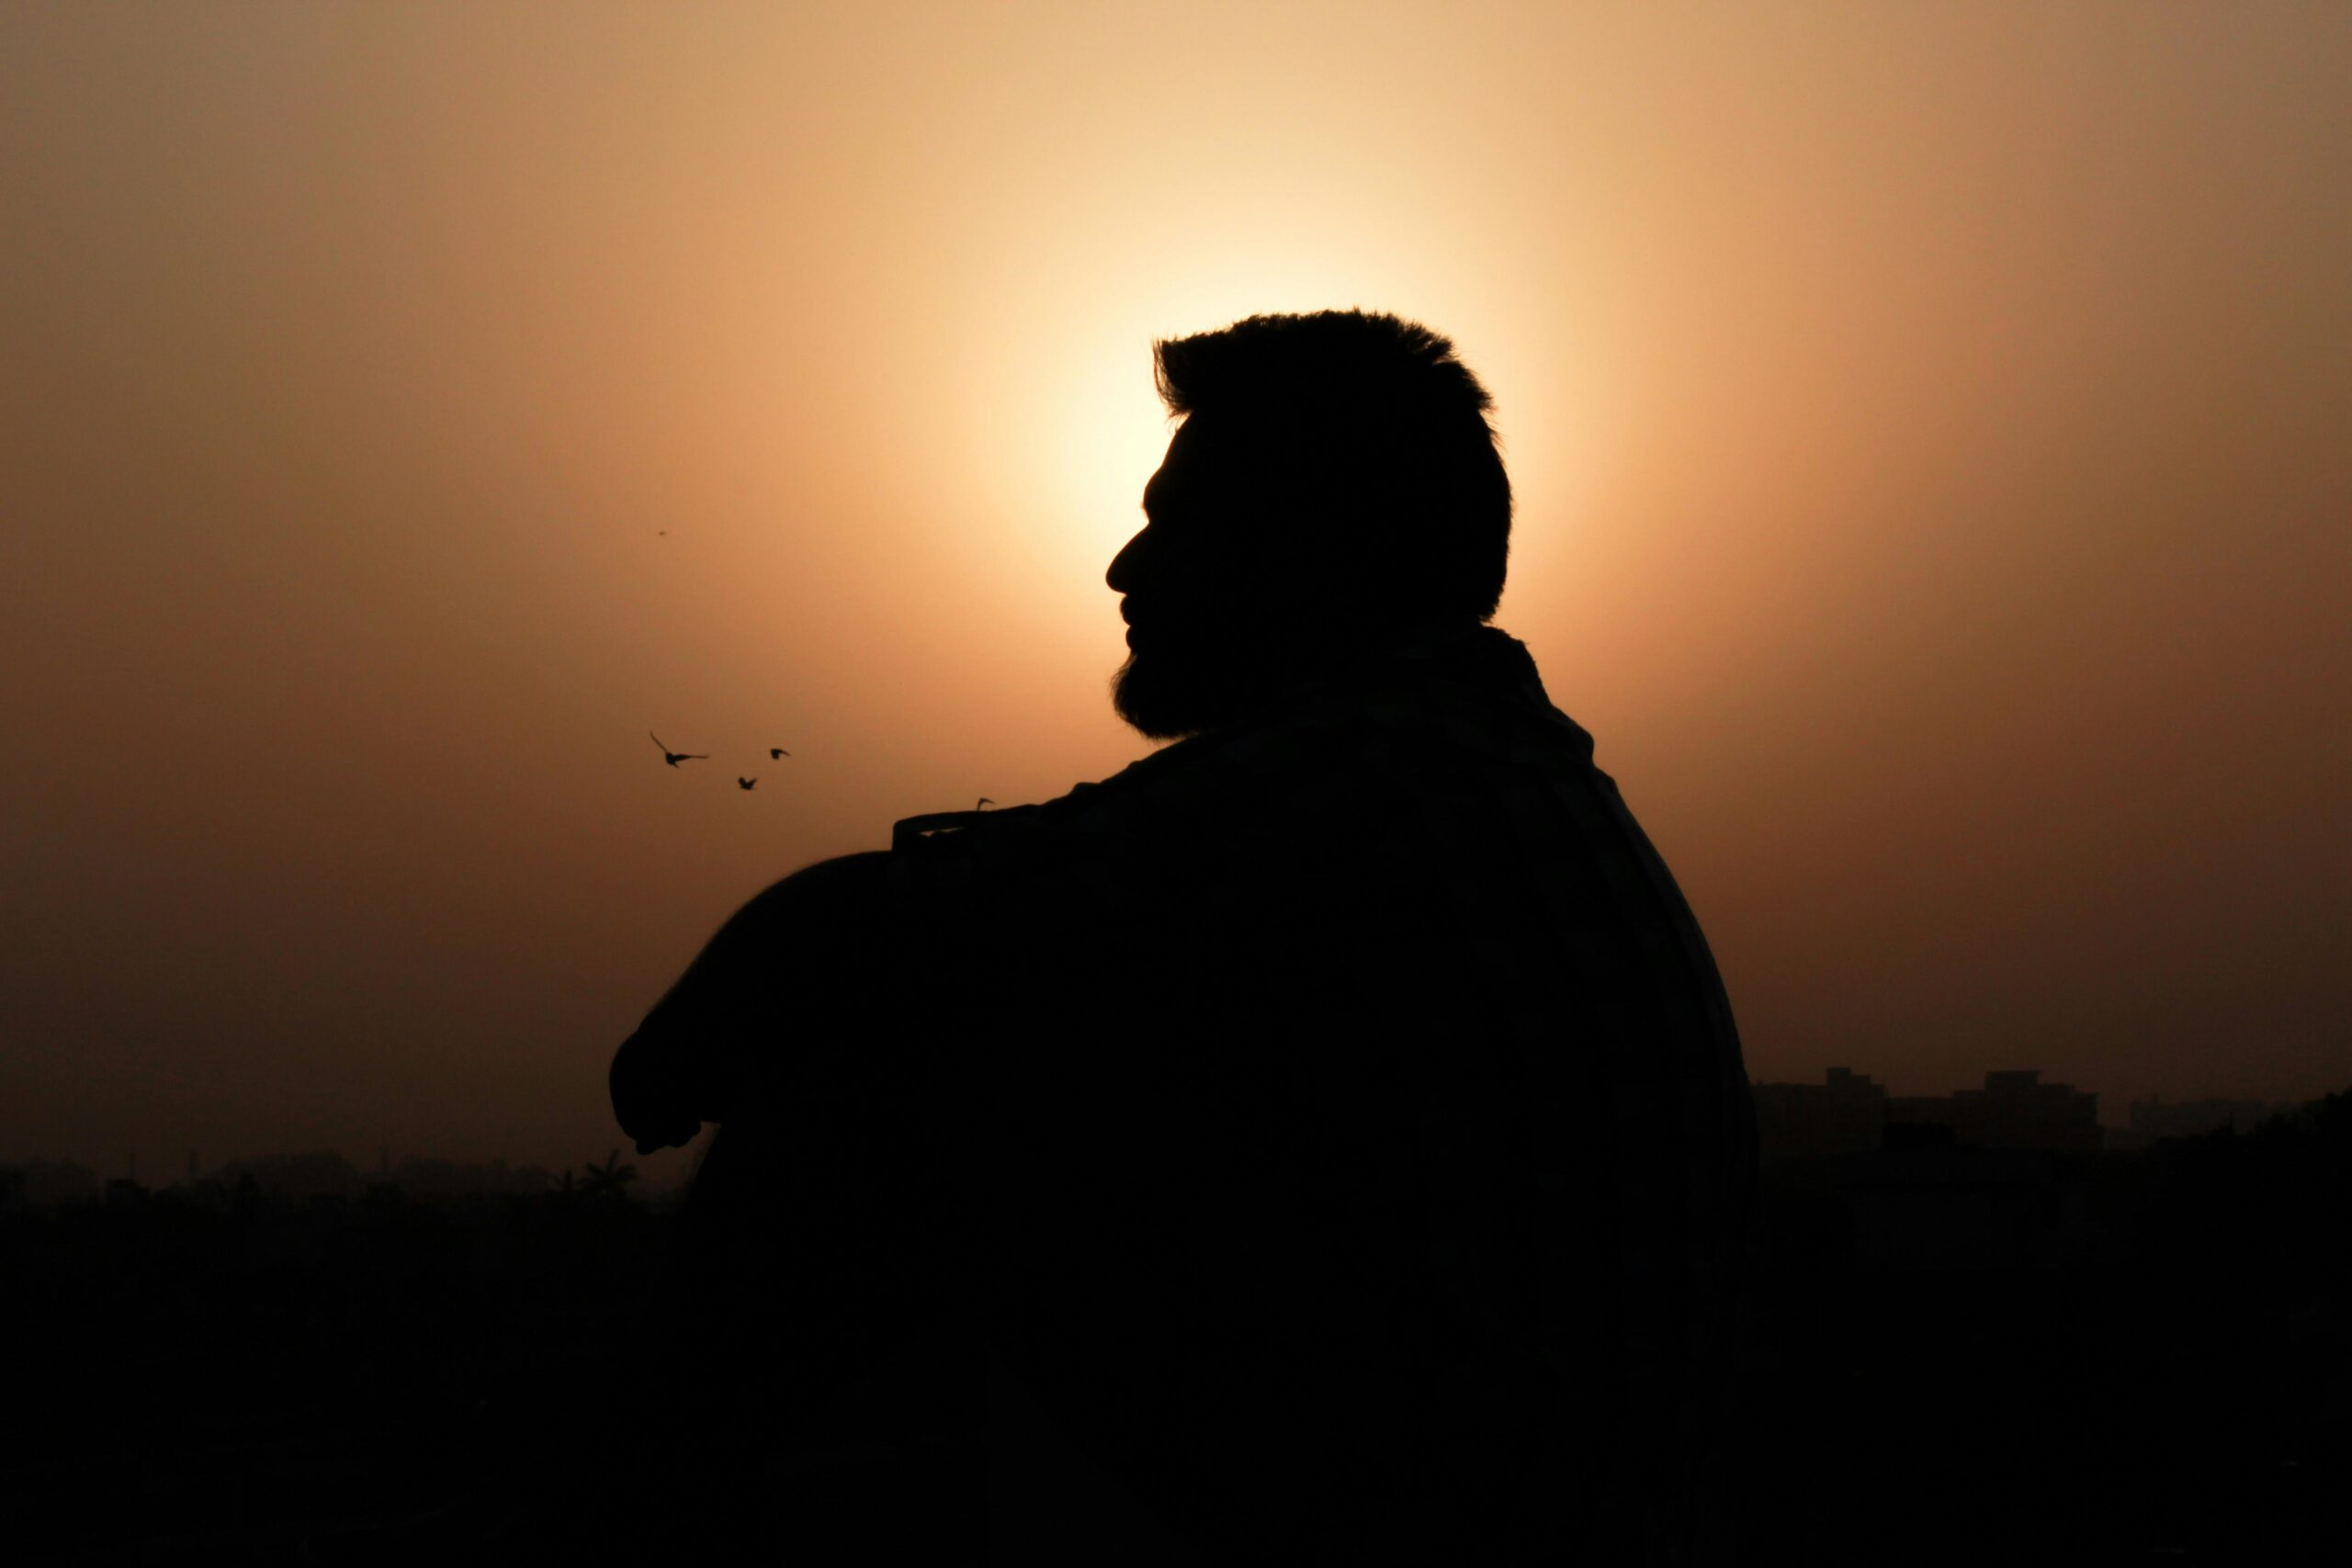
984, 805
775, 752
743, 783
674, 757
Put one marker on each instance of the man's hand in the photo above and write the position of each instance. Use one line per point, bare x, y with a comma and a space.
718, 1034
655, 1094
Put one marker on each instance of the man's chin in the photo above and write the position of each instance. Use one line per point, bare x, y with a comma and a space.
1161, 706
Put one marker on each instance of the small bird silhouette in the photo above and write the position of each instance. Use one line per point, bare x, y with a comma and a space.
775, 752
674, 757
984, 805
743, 783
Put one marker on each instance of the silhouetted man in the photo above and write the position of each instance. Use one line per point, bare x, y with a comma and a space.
1330, 1133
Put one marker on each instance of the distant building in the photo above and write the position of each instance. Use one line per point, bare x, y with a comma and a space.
2153, 1118
49, 1184
1805, 1120
1849, 1114
2013, 1110
1933, 1205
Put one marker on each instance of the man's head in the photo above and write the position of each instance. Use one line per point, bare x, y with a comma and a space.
1335, 484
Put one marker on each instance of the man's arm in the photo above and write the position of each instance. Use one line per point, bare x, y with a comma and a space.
795, 961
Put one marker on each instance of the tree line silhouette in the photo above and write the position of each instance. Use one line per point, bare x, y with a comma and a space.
246, 1359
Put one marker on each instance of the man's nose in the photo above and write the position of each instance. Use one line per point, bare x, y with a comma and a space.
1125, 566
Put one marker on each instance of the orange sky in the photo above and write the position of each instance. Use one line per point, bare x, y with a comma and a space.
1932, 429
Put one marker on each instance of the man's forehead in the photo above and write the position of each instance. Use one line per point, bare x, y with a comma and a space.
1176, 470
1200, 457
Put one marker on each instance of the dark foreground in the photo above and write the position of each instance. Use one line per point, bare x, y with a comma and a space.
1957, 1356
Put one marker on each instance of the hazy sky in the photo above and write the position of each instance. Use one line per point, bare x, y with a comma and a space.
1932, 424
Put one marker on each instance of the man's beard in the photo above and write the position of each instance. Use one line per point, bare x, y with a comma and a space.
1170, 693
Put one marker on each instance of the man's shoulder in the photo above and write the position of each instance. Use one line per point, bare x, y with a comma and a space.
1448, 730
1323, 773
1160, 798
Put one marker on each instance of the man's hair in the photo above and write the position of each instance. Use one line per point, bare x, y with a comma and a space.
1369, 424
